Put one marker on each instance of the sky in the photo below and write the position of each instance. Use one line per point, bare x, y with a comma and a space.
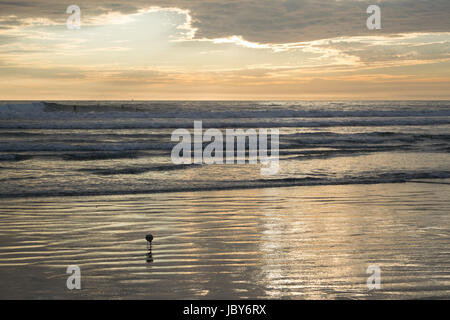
224, 49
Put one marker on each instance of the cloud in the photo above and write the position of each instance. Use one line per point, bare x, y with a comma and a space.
381, 51
212, 49
261, 21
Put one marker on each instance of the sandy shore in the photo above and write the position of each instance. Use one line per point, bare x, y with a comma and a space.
295, 242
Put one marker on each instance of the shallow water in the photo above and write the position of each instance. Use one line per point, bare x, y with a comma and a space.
291, 242
83, 182
123, 147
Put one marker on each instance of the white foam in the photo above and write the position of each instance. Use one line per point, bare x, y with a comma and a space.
14, 110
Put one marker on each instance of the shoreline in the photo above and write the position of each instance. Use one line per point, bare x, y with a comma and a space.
225, 188
290, 243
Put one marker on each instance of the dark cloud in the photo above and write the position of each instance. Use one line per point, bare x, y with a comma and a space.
267, 21
404, 51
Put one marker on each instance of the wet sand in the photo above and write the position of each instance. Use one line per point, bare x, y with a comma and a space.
291, 243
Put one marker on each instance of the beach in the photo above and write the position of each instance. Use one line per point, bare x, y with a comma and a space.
216, 158
292, 243
360, 185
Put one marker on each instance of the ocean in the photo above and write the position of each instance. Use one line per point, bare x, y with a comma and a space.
359, 183
121, 147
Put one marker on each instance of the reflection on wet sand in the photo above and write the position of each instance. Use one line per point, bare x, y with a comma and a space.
300, 242
149, 255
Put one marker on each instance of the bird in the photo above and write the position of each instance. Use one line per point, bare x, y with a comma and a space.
149, 238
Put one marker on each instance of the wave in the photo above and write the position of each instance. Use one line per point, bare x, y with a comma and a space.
383, 177
54, 116
106, 146
225, 123
9, 110
40, 110
14, 157
100, 156
108, 149
132, 110
139, 170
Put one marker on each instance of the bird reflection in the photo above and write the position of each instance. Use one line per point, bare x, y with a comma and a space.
149, 255
149, 239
